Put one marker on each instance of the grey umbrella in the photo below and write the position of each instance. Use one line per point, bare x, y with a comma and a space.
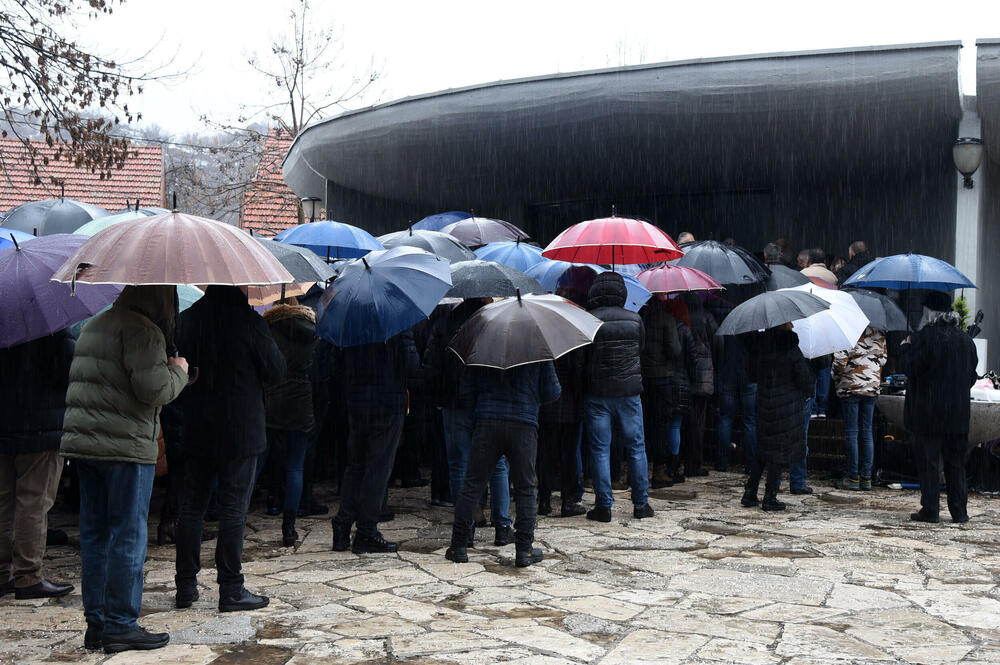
489, 279
882, 312
442, 244
783, 277
51, 216
771, 309
303, 264
726, 264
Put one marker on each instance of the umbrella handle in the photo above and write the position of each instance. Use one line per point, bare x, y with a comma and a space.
80, 267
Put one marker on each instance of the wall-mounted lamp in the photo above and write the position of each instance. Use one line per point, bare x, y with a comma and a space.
310, 207
968, 155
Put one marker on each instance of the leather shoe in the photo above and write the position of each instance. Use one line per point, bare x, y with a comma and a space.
243, 601
43, 589
961, 519
524, 558
93, 639
921, 516
642, 511
185, 598
6, 587
572, 510
457, 554
139, 639
599, 514
801, 490
372, 543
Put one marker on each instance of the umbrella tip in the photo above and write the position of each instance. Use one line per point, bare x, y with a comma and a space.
17, 247
365, 261
518, 291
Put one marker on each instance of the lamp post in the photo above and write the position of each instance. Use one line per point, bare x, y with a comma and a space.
967, 153
310, 206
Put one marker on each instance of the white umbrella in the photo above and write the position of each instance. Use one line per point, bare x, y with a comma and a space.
836, 329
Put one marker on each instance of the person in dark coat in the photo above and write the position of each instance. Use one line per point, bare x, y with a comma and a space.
664, 390
703, 327
559, 433
375, 378
506, 406
940, 364
34, 377
857, 258
613, 383
784, 382
224, 434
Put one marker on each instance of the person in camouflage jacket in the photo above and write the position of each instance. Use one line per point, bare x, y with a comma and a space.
858, 375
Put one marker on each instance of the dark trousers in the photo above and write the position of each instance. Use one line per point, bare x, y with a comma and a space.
558, 449
235, 478
491, 440
657, 412
693, 434
757, 469
28, 485
371, 450
953, 448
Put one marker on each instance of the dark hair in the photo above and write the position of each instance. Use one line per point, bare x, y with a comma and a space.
817, 255
772, 253
858, 247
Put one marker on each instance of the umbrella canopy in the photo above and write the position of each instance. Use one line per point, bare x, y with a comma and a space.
303, 264
489, 279
910, 271
172, 249
548, 272
523, 330
265, 295
835, 329
101, 223
440, 220
330, 239
9, 236
613, 241
381, 295
435, 242
783, 277
51, 216
675, 279
771, 309
148, 212
517, 254
478, 231
727, 264
882, 311
32, 304
580, 277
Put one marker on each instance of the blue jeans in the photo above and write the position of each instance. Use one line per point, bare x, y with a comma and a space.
731, 399
675, 433
292, 447
459, 425
797, 465
822, 392
114, 505
858, 413
600, 414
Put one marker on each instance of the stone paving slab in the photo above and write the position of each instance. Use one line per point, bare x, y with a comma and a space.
840, 577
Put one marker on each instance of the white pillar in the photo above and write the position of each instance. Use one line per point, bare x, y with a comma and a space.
967, 222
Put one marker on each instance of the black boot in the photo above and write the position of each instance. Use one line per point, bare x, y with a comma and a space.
525, 557
544, 504
676, 475
504, 536
372, 542
288, 533
771, 501
341, 536
461, 538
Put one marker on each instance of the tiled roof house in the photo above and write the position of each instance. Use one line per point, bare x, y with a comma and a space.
269, 206
142, 178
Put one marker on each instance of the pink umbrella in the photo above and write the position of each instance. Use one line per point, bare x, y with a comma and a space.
672, 279
614, 241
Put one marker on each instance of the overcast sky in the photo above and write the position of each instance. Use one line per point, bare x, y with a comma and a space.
436, 44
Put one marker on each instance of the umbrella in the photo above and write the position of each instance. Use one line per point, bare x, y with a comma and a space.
435, 242
548, 272
523, 330
727, 264
910, 271
101, 223
52, 216
303, 264
674, 279
489, 279
517, 254
9, 236
580, 277
331, 239
835, 329
478, 231
783, 277
172, 249
381, 295
771, 309
147, 211
440, 220
881, 310
32, 304
614, 241
265, 295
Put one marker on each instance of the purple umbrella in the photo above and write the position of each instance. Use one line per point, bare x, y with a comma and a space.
32, 304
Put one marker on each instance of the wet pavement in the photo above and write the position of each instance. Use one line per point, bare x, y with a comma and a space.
841, 577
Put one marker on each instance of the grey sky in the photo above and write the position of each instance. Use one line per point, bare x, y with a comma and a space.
437, 44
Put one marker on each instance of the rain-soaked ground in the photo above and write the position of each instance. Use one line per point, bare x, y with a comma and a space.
839, 577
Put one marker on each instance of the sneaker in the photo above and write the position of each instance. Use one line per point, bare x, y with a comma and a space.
821, 415
372, 543
525, 558
599, 514
185, 598
848, 483
572, 510
642, 512
457, 554
242, 601
921, 516
865, 484
813, 416
139, 639
504, 536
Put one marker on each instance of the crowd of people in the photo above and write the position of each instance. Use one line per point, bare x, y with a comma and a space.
239, 400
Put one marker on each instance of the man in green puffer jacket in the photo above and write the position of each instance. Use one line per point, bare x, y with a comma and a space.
120, 377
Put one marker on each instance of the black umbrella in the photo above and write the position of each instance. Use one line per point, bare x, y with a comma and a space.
771, 309
442, 244
726, 264
882, 312
523, 330
303, 264
783, 277
478, 231
51, 216
489, 279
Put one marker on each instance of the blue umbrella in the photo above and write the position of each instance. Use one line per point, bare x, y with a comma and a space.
910, 271
580, 276
518, 255
440, 220
548, 272
334, 240
381, 295
8, 236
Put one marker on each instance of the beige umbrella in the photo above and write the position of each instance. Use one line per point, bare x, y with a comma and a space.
265, 295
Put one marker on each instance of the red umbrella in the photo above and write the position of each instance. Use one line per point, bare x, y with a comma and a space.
172, 249
478, 231
671, 279
614, 241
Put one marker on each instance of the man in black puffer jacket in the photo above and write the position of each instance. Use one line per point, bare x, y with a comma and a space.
612, 387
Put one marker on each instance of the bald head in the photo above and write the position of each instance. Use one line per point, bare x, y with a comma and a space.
685, 236
857, 247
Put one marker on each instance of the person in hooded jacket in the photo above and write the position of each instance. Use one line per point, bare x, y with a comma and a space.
224, 434
290, 415
702, 327
120, 378
940, 364
784, 382
612, 388
559, 434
